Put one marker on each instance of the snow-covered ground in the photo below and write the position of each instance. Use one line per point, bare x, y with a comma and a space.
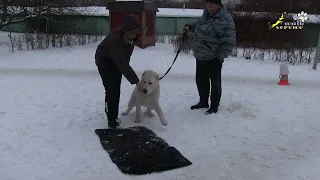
52, 101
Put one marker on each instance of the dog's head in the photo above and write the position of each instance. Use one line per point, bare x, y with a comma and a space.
150, 82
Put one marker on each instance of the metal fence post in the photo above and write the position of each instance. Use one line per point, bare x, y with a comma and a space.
176, 26
317, 55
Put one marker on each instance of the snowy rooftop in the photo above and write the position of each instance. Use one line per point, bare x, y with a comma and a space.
163, 12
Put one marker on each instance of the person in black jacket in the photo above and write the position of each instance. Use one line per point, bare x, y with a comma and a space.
112, 59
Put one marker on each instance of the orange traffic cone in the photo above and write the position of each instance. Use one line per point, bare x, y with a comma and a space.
284, 77
284, 80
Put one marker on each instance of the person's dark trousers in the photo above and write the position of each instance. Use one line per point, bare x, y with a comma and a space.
111, 79
208, 76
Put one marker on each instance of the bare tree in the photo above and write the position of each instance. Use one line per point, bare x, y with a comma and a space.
291, 6
17, 11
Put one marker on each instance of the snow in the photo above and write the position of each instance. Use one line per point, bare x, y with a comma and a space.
163, 12
52, 101
175, 12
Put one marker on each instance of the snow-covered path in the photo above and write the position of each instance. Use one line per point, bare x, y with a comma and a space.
79, 61
262, 131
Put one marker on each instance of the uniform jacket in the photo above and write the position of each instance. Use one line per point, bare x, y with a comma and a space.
214, 35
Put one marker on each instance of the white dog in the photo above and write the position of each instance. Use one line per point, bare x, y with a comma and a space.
147, 97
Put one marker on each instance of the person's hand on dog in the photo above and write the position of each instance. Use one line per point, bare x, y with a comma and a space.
139, 85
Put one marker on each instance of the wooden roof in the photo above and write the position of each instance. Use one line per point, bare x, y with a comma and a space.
133, 6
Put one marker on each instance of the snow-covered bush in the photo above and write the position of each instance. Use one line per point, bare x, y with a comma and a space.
34, 41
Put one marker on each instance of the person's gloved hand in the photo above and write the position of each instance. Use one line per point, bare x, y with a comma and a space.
139, 85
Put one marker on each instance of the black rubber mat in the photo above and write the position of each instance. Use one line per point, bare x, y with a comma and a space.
138, 150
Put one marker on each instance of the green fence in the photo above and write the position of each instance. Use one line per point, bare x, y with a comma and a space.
172, 25
99, 25
96, 25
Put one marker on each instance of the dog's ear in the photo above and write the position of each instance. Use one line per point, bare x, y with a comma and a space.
157, 77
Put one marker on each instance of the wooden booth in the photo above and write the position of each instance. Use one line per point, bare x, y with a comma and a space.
145, 10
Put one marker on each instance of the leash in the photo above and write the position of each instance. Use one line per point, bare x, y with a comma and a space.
184, 39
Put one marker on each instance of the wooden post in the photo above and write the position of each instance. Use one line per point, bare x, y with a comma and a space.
110, 24
176, 25
154, 28
184, 5
317, 55
143, 19
144, 24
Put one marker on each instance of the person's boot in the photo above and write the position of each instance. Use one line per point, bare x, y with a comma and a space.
114, 124
200, 105
212, 109
112, 115
215, 103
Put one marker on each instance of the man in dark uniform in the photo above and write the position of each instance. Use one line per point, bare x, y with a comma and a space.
112, 59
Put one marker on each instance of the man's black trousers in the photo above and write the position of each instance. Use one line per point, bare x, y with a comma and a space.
111, 80
208, 76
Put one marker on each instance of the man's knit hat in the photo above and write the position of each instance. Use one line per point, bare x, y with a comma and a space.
214, 1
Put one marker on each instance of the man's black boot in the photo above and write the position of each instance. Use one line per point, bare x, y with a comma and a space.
200, 105
212, 109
